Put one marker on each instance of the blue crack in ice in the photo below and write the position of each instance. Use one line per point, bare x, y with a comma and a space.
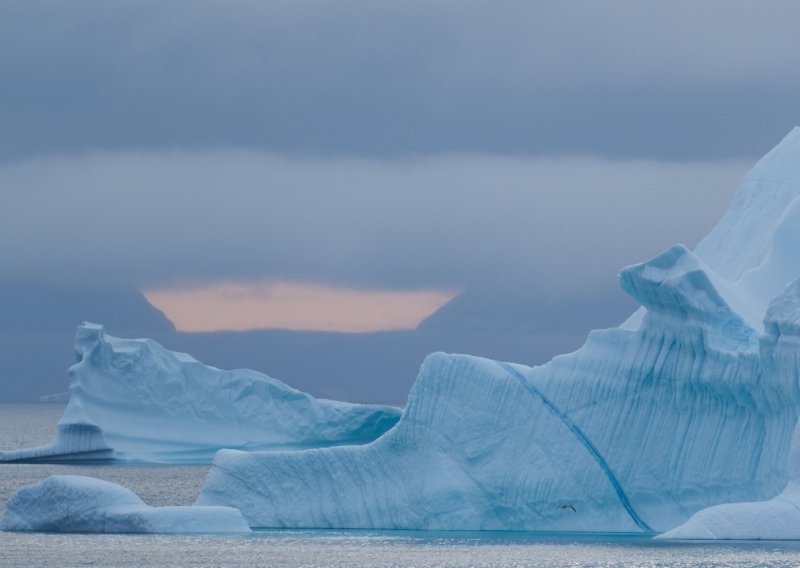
595, 453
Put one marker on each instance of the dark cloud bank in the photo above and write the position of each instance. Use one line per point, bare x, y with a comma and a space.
684, 79
451, 221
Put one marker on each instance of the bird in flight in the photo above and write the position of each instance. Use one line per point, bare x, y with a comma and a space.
568, 506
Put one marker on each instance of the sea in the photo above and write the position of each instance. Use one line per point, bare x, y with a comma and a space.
30, 424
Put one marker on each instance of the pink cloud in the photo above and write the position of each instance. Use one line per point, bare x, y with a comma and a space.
239, 306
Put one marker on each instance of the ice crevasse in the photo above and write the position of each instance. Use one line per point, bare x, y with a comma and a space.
690, 403
132, 400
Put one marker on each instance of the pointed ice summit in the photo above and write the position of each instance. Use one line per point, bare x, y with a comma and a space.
690, 403
132, 400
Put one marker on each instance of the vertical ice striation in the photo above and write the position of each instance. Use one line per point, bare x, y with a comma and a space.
73, 503
779, 517
692, 402
131, 400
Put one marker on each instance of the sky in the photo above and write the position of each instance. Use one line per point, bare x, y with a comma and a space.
516, 152
685, 79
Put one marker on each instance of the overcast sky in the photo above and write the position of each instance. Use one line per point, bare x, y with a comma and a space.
684, 79
443, 221
374, 144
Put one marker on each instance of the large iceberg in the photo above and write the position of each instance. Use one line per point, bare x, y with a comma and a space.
132, 400
72, 503
690, 403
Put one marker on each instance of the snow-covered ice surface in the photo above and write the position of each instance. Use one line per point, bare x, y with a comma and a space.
73, 503
690, 403
132, 400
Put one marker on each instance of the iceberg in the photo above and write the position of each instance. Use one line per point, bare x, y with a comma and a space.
132, 400
72, 503
690, 403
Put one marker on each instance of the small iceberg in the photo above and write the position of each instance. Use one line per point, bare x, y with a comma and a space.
55, 397
132, 400
77, 504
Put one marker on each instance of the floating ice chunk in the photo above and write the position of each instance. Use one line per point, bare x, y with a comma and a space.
69, 503
55, 397
131, 400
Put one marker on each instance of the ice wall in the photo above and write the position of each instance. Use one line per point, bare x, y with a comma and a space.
777, 518
131, 400
690, 403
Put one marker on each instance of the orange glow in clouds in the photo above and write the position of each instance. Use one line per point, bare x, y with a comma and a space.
233, 306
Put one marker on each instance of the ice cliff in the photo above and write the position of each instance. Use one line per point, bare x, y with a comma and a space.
779, 517
70, 503
132, 400
690, 403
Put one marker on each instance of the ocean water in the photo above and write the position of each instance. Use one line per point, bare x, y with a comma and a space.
25, 425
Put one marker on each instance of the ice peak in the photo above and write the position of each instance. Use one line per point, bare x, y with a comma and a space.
87, 337
782, 163
753, 246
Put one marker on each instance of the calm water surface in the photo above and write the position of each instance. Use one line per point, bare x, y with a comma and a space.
25, 425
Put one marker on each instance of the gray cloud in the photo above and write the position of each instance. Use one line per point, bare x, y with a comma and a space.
674, 80
475, 220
